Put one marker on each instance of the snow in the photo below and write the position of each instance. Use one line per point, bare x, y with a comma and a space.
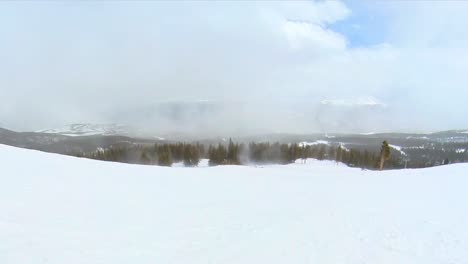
416, 147
317, 142
202, 164
342, 145
413, 137
355, 101
75, 130
58, 209
367, 133
398, 148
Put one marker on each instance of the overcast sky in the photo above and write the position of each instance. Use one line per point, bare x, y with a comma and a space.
67, 62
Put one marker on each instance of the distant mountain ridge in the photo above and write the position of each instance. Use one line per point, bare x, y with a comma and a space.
67, 144
89, 130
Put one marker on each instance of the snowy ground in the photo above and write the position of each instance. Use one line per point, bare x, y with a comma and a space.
58, 209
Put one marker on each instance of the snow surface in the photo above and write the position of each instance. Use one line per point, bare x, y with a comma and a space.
59, 209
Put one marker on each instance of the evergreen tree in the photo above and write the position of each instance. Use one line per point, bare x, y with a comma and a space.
321, 153
191, 155
366, 160
165, 156
201, 150
232, 153
384, 154
305, 153
144, 158
339, 154
217, 155
331, 153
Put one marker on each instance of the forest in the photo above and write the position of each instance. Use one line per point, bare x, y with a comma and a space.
232, 153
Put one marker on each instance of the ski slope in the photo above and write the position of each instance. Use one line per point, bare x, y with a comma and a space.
59, 209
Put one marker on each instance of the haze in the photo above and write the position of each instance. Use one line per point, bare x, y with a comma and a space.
295, 67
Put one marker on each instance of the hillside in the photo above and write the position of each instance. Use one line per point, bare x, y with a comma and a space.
60, 209
411, 150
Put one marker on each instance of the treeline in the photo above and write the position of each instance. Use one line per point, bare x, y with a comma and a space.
276, 153
158, 154
239, 154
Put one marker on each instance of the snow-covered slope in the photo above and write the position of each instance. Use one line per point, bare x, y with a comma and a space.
59, 209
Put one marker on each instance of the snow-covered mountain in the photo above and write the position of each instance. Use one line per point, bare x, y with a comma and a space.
88, 130
59, 209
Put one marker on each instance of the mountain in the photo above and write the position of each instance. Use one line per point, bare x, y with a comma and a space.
89, 130
66, 144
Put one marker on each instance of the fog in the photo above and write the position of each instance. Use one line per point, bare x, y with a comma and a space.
235, 68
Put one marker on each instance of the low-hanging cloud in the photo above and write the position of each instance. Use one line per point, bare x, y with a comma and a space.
267, 66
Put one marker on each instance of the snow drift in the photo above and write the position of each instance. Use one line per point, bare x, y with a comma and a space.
59, 209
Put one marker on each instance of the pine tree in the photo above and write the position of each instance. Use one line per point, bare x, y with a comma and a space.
217, 155
145, 157
322, 152
331, 153
201, 150
195, 155
305, 150
191, 155
366, 160
384, 154
339, 154
165, 156
232, 153
211, 155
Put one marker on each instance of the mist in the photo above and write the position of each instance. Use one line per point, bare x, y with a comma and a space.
227, 68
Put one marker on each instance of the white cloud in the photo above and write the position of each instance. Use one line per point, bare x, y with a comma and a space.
303, 34
130, 54
323, 12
